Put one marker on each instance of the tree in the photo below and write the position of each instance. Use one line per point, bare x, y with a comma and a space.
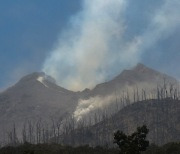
134, 143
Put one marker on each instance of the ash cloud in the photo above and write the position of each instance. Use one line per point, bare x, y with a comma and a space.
93, 48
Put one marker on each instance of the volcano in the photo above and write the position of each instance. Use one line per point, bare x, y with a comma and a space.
37, 96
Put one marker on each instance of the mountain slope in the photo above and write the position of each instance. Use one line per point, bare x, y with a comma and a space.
141, 82
35, 97
140, 76
161, 117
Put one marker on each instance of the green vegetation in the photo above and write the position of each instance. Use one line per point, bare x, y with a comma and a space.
134, 143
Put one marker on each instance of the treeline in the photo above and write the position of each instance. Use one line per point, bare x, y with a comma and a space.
27, 148
169, 148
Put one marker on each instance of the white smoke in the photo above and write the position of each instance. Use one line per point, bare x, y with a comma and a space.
113, 100
83, 53
86, 106
163, 23
89, 51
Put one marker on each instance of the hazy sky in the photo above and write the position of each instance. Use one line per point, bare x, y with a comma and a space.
33, 32
28, 30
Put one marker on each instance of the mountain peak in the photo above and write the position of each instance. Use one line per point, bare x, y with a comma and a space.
141, 68
37, 76
141, 73
32, 76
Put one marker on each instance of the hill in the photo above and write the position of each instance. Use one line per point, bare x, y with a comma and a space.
161, 117
37, 99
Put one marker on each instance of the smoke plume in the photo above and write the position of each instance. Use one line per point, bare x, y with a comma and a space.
93, 48
86, 106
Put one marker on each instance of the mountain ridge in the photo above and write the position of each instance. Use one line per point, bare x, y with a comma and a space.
37, 96
161, 116
133, 78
